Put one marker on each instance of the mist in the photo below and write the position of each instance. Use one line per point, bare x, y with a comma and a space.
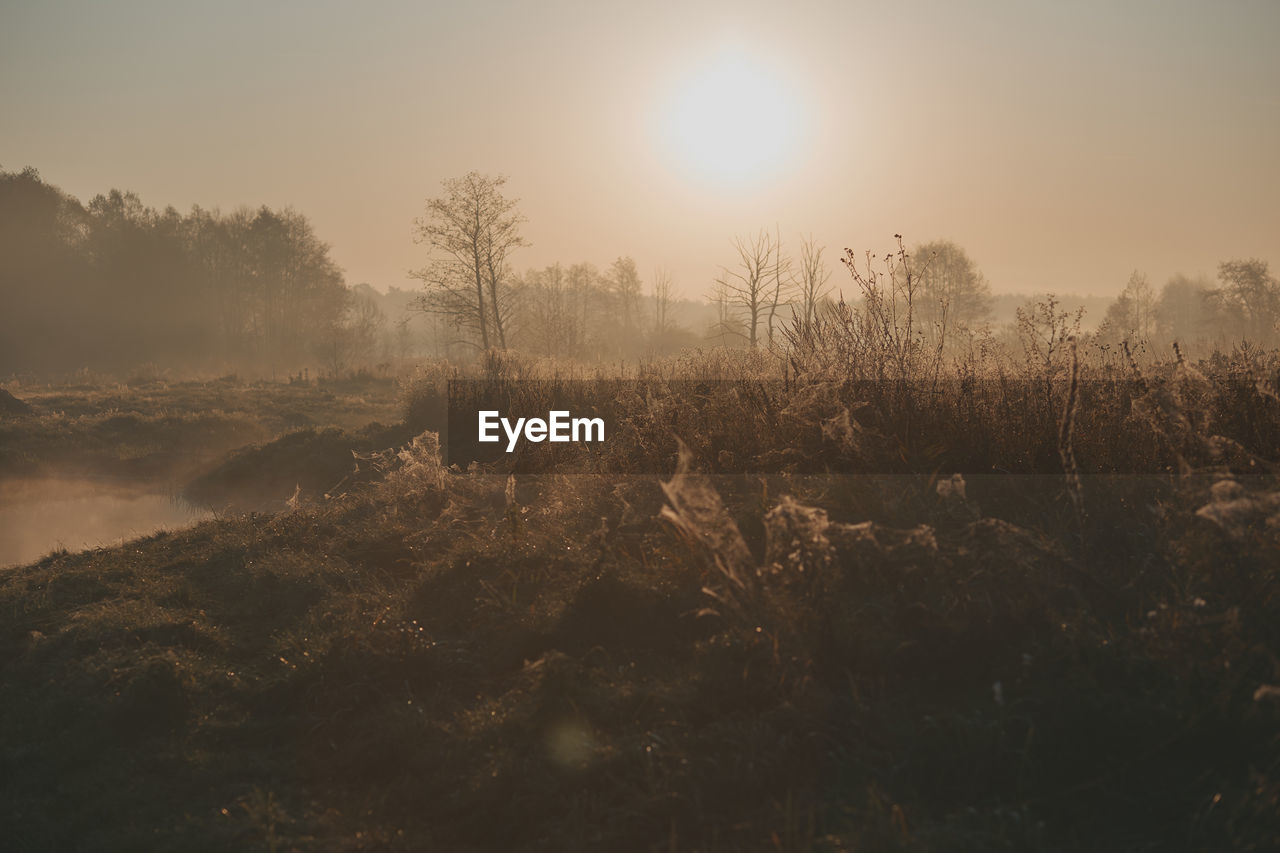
115, 287
687, 427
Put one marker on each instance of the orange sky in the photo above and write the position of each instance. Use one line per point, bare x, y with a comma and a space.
1062, 144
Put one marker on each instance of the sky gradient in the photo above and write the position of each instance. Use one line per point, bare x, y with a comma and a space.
1062, 145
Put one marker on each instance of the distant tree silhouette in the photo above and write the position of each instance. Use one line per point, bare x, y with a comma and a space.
551, 317
1132, 316
953, 292
115, 283
44, 270
1252, 294
626, 287
1181, 311
663, 296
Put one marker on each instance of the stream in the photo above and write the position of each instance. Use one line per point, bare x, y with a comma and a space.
42, 514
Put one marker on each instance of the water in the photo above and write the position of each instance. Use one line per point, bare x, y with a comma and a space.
39, 515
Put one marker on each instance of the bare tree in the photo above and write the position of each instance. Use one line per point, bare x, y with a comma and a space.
725, 326
783, 282
813, 278
352, 337
662, 299
404, 338
586, 284
754, 288
471, 231
551, 322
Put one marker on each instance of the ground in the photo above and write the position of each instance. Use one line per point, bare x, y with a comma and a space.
433, 659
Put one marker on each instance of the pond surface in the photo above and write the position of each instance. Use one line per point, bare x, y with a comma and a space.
39, 515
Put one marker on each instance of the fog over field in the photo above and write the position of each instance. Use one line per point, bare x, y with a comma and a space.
686, 427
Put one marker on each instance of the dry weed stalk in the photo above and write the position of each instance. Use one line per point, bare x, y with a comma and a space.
1066, 447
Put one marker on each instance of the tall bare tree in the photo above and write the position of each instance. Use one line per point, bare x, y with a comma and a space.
813, 277
663, 297
753, 289
471, 231
783, 282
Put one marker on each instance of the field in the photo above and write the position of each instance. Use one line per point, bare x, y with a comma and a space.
149, 427
672, 428
799, 603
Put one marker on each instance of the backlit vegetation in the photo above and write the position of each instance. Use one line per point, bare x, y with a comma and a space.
892, 590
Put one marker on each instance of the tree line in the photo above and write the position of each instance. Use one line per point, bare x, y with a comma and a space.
1242, 303
113, 284
939, 296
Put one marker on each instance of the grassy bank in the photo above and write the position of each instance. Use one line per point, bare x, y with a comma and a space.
171, 429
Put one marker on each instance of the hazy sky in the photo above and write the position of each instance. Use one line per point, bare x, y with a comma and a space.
1062, 144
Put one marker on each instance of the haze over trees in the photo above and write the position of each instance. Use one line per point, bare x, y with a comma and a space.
1249, 298
571, 311
883, 384
954, 294
1243, 305
1132, 316
114, 284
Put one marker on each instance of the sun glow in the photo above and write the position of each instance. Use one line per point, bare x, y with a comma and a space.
733, 121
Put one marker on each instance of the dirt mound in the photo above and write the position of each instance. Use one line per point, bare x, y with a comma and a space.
11, 406
305, 463
264, 476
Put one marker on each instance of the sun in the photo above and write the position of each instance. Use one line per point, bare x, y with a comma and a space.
733, 120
